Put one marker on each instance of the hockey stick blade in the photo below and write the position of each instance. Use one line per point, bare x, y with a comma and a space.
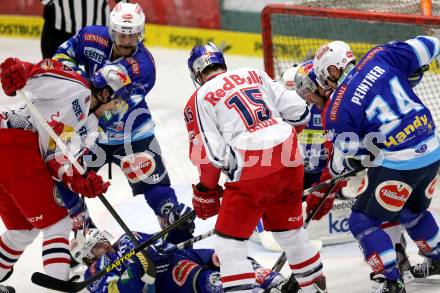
283, 258
49, 282
332, 181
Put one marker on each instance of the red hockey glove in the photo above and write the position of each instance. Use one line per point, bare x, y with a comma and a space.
315, 197
206, 202
89, 185
14, 74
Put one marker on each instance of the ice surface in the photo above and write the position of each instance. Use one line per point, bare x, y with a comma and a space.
343, 264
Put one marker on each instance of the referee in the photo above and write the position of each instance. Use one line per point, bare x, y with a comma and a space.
64, 18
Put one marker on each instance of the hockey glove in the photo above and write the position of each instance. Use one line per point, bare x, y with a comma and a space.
116, 77
14, 74
178, 211
315, 197
206, 202
89, 185
148, 268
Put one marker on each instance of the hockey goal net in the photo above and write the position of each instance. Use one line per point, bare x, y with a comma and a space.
291, 34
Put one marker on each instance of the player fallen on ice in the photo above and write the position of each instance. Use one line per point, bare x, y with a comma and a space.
126, 126
31, 159
184, 270
240, 122
376, 108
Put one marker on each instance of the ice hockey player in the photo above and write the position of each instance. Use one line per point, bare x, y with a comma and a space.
31, 159
235, 125
316, 150
374, 105
127, 128
308, 88
184, 270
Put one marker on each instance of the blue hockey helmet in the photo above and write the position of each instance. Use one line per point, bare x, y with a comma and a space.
201, 57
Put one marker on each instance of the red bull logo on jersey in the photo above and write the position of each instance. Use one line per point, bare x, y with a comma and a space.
124, 78
65, 132
408, 130
392, 194
230, 82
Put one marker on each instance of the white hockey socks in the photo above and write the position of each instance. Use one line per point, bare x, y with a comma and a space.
55, 250
237, 273
12, 245
303, 258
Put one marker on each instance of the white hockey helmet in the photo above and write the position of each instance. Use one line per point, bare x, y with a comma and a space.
81, 246
127, 21
335, 53
305, 79
288, 77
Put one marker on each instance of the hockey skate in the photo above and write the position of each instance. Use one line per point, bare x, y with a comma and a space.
6, 289
386, 286
428, 268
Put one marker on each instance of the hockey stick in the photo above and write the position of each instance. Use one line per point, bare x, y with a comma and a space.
150, 270
60, 143
283, 258
191, 241
332, 181
279, 264
71, 286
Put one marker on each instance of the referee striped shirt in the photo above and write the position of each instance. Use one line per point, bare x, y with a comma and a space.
71, 15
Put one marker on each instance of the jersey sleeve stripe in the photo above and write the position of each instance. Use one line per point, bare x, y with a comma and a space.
302, 118
202, 134
420, 50
434, 44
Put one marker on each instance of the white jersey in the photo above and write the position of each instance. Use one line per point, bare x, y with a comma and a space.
241, 113
63, 99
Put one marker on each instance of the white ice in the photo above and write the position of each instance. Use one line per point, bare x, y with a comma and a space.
344, 266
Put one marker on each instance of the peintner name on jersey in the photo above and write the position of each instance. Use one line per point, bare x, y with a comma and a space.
366, 84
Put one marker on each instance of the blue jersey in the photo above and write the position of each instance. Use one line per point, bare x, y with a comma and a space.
91, 49
176, 271
312, 140
375, 99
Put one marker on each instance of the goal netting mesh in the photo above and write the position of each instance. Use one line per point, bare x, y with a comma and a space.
292, 33
392, 6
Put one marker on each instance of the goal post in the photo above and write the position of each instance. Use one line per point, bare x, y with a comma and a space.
292, 34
